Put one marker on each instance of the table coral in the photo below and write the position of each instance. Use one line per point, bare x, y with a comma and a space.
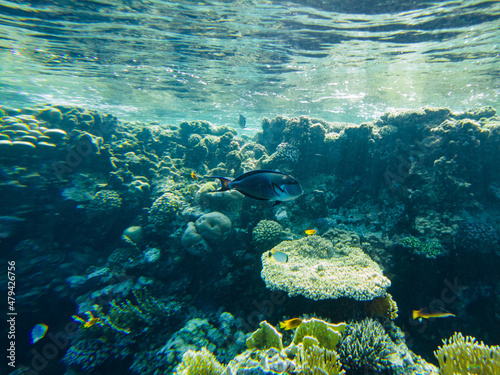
316, 271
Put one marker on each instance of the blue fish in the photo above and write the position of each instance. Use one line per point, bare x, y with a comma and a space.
263, 185
38, 332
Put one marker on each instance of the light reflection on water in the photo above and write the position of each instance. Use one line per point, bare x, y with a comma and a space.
173, 61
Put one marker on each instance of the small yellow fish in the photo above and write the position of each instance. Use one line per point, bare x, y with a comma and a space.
194, 176
290, 323
91, 322
86, 323
419, 314
310, 232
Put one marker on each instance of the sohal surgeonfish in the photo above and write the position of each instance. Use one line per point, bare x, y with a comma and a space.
264, 185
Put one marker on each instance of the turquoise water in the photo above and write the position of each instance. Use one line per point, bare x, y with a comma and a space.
175, 174
183, 60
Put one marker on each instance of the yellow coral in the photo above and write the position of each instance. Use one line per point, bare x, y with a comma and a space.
383, 306
199, 363
327, 334
464, 356
265, 337
315, 360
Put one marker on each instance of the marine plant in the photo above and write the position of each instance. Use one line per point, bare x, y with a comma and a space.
461, 355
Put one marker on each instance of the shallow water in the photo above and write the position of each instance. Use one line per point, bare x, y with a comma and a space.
115, 116
341, 61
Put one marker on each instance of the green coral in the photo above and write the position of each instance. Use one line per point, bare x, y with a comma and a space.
265, 337
428, 248
463, 355
327, 334
266, 234
366, 346
199, 363
316, 360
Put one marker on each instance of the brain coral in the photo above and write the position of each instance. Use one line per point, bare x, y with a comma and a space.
105, 202
317, 270
164, 209
266, 234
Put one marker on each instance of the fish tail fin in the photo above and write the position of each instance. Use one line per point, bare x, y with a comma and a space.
224, 182
416, 314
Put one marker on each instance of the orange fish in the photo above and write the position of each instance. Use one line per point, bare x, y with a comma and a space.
290, 323
194, 176
310, 232
419, 314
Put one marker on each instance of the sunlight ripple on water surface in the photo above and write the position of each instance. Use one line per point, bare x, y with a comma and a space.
184, 60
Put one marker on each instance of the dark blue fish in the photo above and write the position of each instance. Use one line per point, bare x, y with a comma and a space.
263, 185
242, 121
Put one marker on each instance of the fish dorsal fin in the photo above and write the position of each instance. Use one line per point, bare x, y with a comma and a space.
257, 171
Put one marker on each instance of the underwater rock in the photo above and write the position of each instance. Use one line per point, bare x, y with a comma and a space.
213, 227
192, 241
317, 270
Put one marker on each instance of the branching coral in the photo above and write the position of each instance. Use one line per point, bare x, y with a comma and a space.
199, 363
427, 248
315, 360
461, 355
366, 346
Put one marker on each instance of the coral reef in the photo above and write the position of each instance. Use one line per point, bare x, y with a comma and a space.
383, 306
463, 355
318, 270
477, 237
426, 248
266, 234
199, 363
366, 347
164, 210
119, 206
